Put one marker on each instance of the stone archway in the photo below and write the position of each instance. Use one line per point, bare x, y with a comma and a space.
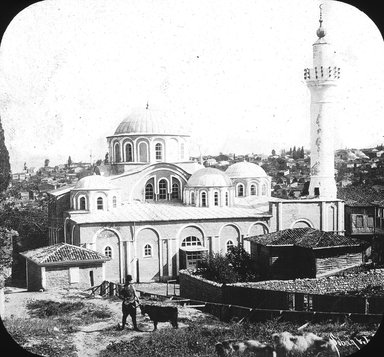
301, 223
258, 229
228, 233
148, 263
107, 241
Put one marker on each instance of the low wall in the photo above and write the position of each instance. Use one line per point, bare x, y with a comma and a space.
196, 288
255, 295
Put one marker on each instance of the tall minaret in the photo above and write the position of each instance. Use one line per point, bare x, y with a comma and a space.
322, 82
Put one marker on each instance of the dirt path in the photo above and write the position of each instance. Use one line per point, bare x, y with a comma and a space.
90, 339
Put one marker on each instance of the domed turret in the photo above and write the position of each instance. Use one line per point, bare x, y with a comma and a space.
148, 136
208, 187
209, 177
95, 193
245, 169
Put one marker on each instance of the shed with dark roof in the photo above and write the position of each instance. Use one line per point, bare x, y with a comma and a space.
304, 253
63, 265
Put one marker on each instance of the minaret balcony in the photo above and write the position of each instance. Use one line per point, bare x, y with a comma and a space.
322, 73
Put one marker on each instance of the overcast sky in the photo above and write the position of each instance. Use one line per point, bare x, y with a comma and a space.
230, 71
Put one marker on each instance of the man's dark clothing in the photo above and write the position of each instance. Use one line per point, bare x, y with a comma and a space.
128, 294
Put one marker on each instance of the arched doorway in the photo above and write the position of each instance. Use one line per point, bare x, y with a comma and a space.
148, 267
192, 247
107, 243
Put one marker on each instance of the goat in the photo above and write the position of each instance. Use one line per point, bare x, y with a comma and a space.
244, 347
287, 344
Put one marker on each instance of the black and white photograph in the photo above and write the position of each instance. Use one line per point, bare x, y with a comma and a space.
191, 178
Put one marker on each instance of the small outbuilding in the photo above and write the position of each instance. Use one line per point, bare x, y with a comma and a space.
63, 265
304, 253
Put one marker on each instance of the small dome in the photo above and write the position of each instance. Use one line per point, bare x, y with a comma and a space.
209, 177
148, 121
94, 182
245, 169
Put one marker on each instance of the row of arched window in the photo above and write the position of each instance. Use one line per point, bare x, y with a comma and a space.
190, 241
203, 199
163, 190
99, 203
240, 190
142, 152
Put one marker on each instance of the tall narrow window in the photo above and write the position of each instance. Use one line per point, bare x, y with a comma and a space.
82, 203
226, 199
216, 198
149, 191
203, 199
117, 152
253, 190
240, 190
264, 190
114, 201
143, 152
182, 151
162, 189
159, 151
192, 198
100, 203
128, 153
175, 190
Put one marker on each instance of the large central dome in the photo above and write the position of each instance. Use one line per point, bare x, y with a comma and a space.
149, 121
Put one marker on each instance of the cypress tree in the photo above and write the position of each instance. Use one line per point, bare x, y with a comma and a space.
5, 167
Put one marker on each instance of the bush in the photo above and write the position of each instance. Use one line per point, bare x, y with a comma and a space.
216, 267
47, 308
235, 266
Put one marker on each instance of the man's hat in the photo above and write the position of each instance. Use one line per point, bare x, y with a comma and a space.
128, 278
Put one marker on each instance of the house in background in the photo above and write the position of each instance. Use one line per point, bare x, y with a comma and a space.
364, 216
63, 265
303, 253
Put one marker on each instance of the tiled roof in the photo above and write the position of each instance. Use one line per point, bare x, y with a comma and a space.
62, 252
361, 195
304, 237
144, 212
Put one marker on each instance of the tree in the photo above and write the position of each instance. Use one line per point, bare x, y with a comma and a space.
273, 152
5, 167
46, 162
69, 161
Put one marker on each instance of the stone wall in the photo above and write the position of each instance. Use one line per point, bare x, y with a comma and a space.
59, 277
197, 288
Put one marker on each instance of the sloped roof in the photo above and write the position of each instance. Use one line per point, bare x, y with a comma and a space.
361, 195
144, 212
62, 252
304, 237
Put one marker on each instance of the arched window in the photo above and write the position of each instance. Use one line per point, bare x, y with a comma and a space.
100, 203
203, 199
108, 251
240, 190
192, 198
128, 153
216, 198
143, 152
163, 189
147, 250
114, 201
253, 190
226, 199
191, 241
264, 190
149, 191
159, 151
229, 245
82, 203
175, 190
117, 152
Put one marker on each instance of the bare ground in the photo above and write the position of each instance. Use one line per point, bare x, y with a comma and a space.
90, 339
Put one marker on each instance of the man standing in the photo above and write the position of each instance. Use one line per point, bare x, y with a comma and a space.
129, 296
